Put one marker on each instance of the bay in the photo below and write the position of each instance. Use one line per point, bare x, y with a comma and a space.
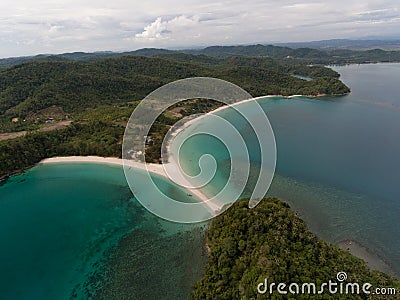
338, 161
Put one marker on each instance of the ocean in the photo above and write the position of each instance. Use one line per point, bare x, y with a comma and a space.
338, 162
66, 229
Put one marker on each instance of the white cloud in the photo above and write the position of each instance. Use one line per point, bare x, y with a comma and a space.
160, 29
153, 31
54, 26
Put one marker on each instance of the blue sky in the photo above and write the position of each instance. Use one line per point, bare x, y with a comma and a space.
45, 26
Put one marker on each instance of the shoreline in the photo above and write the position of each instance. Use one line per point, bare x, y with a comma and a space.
193, 120
186, 124
171, 164
355, 248
373, 260
157, 169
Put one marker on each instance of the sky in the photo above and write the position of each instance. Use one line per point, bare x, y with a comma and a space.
51, 26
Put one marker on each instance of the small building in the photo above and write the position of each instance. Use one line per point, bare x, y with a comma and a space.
15, 120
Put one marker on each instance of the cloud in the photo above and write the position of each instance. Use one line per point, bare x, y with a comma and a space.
153, 31
55, 26
379, 14
160, 29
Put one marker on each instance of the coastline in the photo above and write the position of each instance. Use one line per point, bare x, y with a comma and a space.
191, 121
356, 249
157, 169
197, 118
171, 164
373, 261
5, 177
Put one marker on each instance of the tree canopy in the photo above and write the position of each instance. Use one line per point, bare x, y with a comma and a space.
271, 241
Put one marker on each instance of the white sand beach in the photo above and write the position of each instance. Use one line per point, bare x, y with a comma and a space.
158, 169
154, 168
192, 121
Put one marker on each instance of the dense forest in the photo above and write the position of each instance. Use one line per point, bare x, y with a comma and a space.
99, 133
28, 88
246, 246
98, 94
299, 52
304, 55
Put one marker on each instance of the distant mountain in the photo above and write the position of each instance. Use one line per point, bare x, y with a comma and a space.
390, 44
318, 52
68, 82
271, 51
302, 55
81, 56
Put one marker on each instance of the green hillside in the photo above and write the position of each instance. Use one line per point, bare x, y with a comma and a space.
270, 241
304, 54
74, 86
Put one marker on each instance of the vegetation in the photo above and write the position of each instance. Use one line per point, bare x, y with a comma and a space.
296, 52
99, 94
304, 55
98, 91
99, 132
73, 86
270, 241
167, 119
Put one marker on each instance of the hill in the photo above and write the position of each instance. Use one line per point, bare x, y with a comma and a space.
74, 86
318, 52
248, 245
303, 54
356, 44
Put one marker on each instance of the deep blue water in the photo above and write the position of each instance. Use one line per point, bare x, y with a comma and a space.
338, 159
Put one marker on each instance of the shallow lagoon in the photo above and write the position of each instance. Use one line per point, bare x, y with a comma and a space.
62, 228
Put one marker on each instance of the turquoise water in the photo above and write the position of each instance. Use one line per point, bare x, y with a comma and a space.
338, 159
59, 222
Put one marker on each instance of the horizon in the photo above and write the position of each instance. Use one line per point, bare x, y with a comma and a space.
276, 44
58, 27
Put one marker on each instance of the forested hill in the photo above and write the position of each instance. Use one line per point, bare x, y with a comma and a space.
303, 55
98, 97
270, 241
31, 87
